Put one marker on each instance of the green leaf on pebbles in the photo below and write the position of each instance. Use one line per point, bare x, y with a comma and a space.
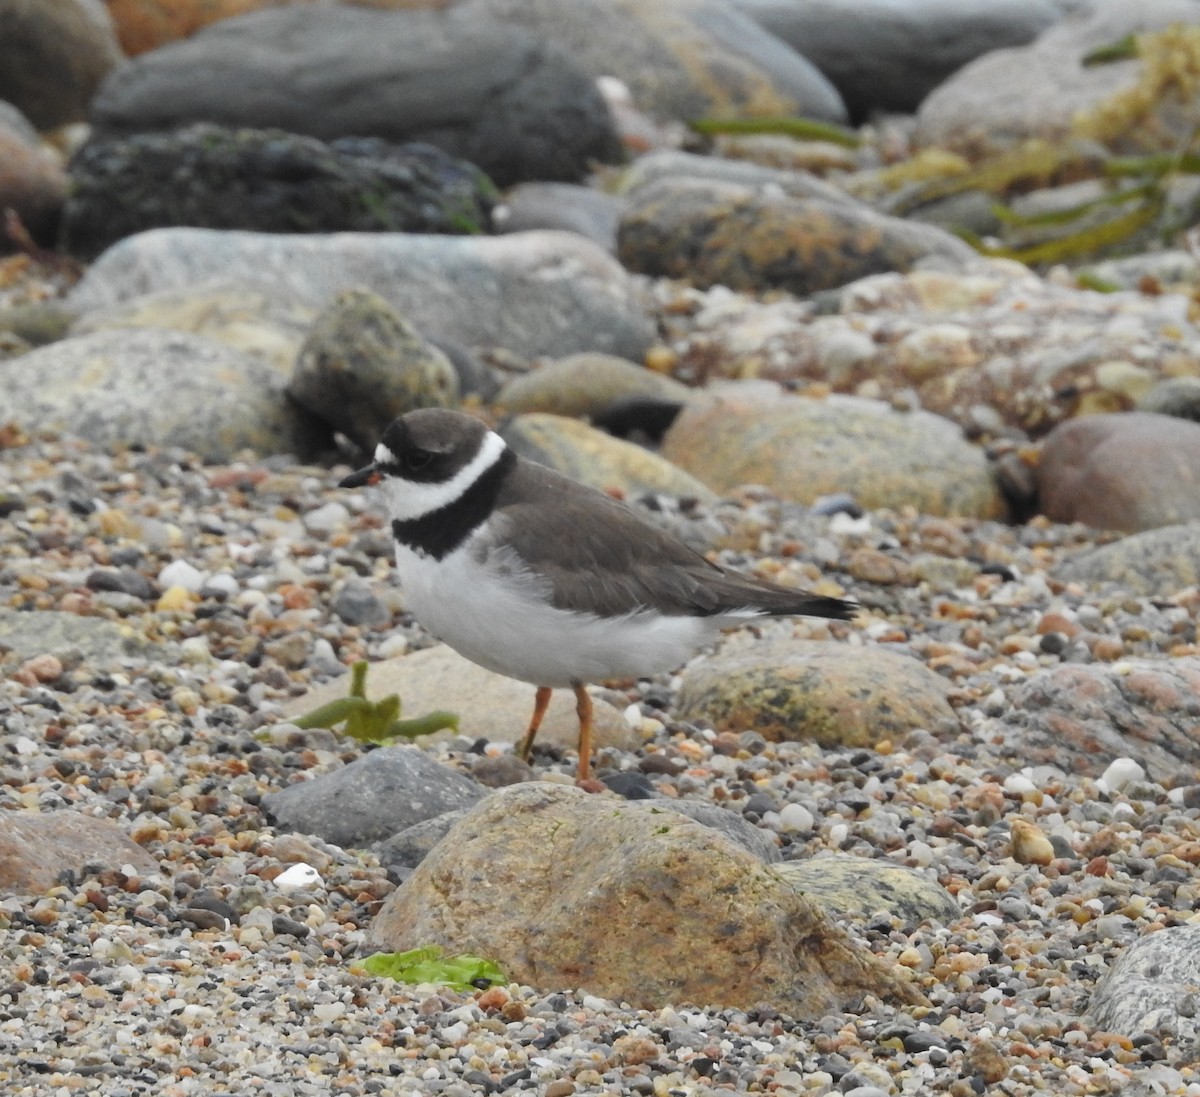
373, 721
428, 965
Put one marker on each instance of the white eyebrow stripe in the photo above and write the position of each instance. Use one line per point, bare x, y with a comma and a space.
384, 456
408, 499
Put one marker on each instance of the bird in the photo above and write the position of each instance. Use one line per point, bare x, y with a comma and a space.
541, 578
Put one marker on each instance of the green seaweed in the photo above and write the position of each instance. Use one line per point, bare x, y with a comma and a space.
1124, 49
428, 965
807, 129
373, 721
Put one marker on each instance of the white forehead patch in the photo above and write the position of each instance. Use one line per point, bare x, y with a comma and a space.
384, 456
408, 499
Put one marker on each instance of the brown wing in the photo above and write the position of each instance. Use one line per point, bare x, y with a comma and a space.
601, 557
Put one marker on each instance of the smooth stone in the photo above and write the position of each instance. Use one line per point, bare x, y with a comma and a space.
150, 387
568, 207
490, 93
407, 849
37, 848
267, 322
54, 54
680, 59
266, 180
583, 386
373, 797
1045, 90
101, 643
1133, 471
801, 449
750, 239
585, 881
1177, 396
597, 459
33, 183
1153, 564
885, 56
488, 706
358, 604
538, 293
1151, 988
854, 888
1082, 717
363, 365
830, 693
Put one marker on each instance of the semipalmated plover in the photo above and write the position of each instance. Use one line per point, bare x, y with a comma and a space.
538, 577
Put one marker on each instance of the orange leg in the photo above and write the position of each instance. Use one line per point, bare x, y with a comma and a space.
540, 704
583, 709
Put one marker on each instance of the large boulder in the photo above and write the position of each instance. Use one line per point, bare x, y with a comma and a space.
531, 293
631, 901
490, 93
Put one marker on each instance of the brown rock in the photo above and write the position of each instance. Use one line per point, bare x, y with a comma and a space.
802, 448
488, 706
629, 901
33, 182
53, 55
713, 233
835, 694
593, 457
35, 849
1134, 471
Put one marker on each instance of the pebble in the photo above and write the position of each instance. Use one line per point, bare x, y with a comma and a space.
1055, 871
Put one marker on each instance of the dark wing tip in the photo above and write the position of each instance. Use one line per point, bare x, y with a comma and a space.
837, 609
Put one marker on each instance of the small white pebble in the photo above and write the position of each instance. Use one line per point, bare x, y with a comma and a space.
1017, 784
394, 645
1121, 772
298, 877
223, 584
179, 573
327, 518
329, 1011
796, 817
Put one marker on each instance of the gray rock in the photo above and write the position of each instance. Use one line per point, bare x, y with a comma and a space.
565, 889
53, 56
406, 849
70, 637
854, 888
590, 213
372, 798
208, 176
362, 365
681, 59
357, 604
729, 823
531, 293
885, 56
1177, 396
490, 93
150, 387
748, 238
1042, 90
1153, 564
1152, 988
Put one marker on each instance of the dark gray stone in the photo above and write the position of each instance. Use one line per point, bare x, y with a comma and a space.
887, 56
269, 181
374, 797
357, 604
490, 93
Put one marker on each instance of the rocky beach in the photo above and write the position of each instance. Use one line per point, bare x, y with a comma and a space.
892, 302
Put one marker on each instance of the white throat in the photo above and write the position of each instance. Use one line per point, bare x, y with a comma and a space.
409, 499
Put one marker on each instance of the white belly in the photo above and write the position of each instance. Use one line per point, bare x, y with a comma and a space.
499, 620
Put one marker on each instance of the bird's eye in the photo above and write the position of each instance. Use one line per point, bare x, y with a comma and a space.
417, 459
